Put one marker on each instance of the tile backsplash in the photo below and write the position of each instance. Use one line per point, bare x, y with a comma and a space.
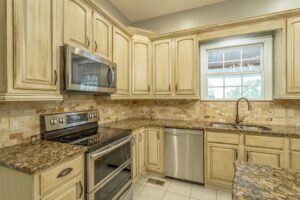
21, 120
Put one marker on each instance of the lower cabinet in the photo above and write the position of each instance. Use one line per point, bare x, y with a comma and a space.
138, 153
220, 163
295, 160
273, 158
62, 182
154, 149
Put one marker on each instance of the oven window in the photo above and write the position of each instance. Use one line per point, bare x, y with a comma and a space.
108, 163
89, 73
114, 186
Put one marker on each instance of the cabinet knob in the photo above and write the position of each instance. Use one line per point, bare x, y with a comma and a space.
88, 42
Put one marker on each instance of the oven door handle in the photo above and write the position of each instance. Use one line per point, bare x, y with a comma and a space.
111, 148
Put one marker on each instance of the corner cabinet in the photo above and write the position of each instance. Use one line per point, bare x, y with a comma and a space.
78, 24
162, 67
293, 52
141, 65
186, 67
30, 44
122, 56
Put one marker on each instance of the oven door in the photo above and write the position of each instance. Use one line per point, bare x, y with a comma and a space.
117, 187
87, 72
107, 161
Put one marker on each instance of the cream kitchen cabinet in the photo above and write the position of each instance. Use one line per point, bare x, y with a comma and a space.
154, 149
138, 153
102, 34
186, 67
162, 67
78, 24
295, 154
29, 50
61, 182
293, 50
122, 56
141, 65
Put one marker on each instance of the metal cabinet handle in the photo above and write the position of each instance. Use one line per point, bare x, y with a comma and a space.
176, 87
55, 77
140, 138
149, 88
157, 135
247, 156
88, 42
236, 154
96, 46
81, 189
65, 172
169, 87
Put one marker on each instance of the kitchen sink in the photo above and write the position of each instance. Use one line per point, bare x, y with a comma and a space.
240, 126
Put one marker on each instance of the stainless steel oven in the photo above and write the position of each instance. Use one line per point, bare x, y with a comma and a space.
86, 72
109, 170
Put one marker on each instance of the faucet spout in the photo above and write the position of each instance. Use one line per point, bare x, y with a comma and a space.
238, 120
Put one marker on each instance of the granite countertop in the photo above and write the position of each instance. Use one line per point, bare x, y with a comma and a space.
33, 157
253, 182
134, 123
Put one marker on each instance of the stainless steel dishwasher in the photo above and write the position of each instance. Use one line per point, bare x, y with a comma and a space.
183, 154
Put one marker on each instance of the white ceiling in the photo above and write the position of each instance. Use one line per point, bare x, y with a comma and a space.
136, 10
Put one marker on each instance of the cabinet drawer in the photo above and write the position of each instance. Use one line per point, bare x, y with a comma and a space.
295, 144
264, 141
226, 138
54, 177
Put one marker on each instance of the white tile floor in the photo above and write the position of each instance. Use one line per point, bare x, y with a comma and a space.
177, 190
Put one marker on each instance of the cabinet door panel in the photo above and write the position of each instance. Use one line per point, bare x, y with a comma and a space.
293, 52
35, 45
154, 149
186, 66
295, 160
141, 150
141, 67
264, 156
162, 67
102, 36
78, 24
135, 149
121, 56
220, 159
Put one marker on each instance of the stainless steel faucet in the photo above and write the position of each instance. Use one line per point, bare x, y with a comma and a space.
238, 120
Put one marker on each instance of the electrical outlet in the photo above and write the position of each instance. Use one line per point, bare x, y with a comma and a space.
15, 125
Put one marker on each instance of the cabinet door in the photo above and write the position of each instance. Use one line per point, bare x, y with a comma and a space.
72, 190
154, 149
102, 32
293, 52
295, 160
35, 60
186, 70
268, 157
78, 24
220, 163
141, 67
121, 56
141, 151
135, 172
162, 67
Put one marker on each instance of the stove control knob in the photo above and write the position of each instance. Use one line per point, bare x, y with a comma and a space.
61, 120
95, 115
90, 115
52, 121
55, 121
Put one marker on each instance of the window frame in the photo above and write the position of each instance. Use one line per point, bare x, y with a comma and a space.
266, 65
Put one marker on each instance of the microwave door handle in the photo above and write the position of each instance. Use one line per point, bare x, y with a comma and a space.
107, 76
113, 76
115, 146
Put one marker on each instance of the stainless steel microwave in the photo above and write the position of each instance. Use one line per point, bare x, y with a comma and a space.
87, 73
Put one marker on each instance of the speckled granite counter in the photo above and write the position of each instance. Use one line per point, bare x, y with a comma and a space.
134, 123
255, 182
36, 156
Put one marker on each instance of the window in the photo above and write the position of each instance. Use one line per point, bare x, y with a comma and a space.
237, 68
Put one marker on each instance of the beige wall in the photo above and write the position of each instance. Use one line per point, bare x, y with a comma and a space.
213, 14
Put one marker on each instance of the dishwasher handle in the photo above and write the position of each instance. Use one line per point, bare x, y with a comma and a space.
175, 131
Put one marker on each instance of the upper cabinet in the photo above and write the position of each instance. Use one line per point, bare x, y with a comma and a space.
186, 68
141, 65
78, 24
121, 56
162, 67
102, 32
29, 41
293, 52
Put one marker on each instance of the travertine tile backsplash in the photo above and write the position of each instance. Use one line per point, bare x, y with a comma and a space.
20, 120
